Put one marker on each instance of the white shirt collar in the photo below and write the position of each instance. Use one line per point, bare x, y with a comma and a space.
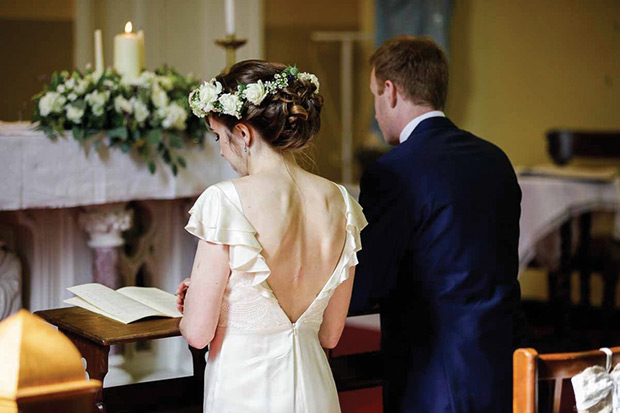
404, 134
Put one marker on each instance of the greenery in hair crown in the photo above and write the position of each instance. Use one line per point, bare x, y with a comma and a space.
208, 97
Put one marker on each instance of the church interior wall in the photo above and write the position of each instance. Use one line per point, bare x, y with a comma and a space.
518, 69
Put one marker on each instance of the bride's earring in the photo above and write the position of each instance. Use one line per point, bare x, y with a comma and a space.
245, 147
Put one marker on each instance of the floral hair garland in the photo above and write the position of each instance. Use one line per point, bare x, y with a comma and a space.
208, 97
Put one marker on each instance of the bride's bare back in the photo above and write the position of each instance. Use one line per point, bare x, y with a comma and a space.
300, 222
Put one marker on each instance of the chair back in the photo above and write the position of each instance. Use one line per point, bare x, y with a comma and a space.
532, 371
563, 145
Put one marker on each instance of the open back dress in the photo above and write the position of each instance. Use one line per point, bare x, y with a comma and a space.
260, 361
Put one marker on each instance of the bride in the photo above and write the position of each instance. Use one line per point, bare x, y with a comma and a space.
273, 272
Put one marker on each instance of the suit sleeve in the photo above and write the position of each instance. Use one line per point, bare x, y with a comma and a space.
385, 239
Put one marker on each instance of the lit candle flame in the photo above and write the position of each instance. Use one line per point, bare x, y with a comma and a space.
128, 27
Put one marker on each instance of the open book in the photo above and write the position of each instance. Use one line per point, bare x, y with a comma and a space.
126, 304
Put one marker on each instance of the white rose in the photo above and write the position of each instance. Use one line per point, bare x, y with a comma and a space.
165, 82
127, 80
109, 84
122, 105
147, 77
72, 96
60, 89
231, 105
255, 92
97, 101
143, 80
174, 116
81, 86
194, 103
209, 92
51, 102
159, 97
70, 83
74, 114
140, 110
312, 79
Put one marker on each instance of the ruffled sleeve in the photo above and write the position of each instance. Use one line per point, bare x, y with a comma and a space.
217, 217
355, 223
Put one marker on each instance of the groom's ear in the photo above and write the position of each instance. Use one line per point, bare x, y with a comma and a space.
389, 88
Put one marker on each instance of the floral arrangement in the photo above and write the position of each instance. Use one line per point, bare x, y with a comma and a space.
148, 114
209, 97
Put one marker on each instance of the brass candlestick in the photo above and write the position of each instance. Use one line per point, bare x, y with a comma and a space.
230, 44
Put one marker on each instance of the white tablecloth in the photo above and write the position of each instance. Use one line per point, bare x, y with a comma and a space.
549, 201
38, 173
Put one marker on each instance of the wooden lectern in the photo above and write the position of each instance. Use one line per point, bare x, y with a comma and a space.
41, 370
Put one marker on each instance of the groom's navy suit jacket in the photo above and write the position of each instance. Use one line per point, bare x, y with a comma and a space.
440, 258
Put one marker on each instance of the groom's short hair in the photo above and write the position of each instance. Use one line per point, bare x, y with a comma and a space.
416, 65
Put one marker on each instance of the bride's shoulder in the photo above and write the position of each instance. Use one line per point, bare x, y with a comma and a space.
328, 187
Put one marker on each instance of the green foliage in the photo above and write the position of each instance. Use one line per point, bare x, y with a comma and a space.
149, 115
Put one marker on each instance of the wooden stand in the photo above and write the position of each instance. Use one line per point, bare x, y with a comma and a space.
93, 335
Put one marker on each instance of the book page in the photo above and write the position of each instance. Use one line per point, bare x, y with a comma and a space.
160, 300
598, 173
78, 302
119, 306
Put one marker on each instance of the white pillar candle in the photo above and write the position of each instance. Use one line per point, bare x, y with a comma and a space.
127, 52
141, 38
230, 17
98, 52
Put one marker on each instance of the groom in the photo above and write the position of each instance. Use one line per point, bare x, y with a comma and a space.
439, 255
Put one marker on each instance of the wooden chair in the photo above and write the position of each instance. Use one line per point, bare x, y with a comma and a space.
600, 254
532, 370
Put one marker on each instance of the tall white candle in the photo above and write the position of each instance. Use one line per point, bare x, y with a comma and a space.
98, 52
127, 52
141, 38
230, 17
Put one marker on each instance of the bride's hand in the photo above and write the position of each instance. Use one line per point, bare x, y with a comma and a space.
181, 291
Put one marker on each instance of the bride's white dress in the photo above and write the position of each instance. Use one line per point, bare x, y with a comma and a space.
259, 361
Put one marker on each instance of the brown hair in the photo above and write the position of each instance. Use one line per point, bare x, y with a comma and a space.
416, 65
288, 119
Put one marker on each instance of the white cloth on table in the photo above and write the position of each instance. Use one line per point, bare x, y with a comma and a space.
548, 202
10, 283
36, 172
259, 361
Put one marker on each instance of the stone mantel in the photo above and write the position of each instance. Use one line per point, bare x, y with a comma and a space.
38, 173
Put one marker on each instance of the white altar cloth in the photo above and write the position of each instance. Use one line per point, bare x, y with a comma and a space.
38, 173
550, 201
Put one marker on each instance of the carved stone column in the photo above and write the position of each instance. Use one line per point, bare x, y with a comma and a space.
105, 225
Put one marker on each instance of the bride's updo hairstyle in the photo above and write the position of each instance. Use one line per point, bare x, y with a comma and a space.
287, 119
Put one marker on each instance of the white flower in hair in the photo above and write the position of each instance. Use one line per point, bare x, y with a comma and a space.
231, 105
204, 97
255, 92
209, 98
208, 94
311, 78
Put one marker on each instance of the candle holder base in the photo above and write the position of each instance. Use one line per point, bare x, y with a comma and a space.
230, 44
